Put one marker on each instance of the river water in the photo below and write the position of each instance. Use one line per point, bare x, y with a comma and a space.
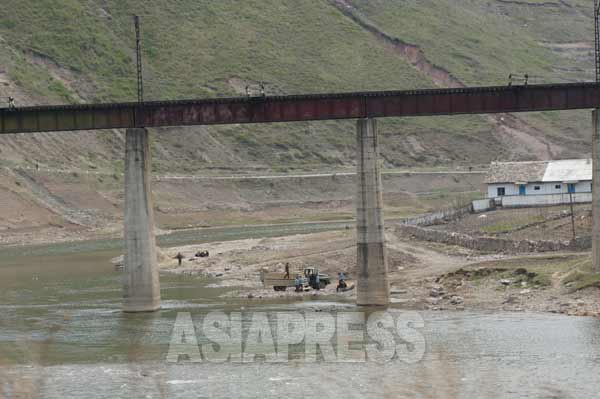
62, 335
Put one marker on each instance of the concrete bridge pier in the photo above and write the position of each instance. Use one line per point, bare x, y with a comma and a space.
596, 190
372, 282
141, 287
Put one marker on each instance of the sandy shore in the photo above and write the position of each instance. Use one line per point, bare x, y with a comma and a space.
237, 264
422, 275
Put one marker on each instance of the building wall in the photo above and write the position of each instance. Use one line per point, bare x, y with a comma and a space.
511, 189
583, 187
483, 205
541, 200
544, 188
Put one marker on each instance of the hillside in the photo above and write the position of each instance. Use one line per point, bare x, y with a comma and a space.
57, 51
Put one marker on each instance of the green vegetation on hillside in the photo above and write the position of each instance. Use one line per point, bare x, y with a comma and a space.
482, 42
485, 45
68, 50
196, 49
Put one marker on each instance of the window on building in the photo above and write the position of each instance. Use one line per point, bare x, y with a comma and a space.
501, 191
536, 187
557, 186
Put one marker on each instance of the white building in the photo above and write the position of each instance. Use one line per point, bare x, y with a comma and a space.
540, 182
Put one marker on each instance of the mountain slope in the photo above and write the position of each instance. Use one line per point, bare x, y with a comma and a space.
473, 42
68, 51
61, 51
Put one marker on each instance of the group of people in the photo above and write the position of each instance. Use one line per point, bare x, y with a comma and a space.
314, 280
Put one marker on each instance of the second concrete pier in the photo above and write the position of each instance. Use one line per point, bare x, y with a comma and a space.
141, 287
372, 282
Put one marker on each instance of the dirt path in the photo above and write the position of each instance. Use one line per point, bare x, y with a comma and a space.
430, 262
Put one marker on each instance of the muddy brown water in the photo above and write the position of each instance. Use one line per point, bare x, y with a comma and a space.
62, 335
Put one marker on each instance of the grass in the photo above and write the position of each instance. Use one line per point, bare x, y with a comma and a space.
507, 226
201, 48
538, 271
574, 272
481, 42
489, 39
191, 49
581, 276
536, 279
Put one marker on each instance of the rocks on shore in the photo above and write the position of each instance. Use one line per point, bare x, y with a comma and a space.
437, 291
456, 300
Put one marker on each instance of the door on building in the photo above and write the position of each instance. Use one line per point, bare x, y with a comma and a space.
522, 189
571, 187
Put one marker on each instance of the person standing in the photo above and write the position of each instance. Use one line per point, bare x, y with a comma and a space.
287, 270
341, 281
179, 258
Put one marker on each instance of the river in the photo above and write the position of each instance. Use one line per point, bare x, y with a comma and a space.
62, 335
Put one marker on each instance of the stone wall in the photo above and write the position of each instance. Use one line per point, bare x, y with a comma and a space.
490, 244
431, 219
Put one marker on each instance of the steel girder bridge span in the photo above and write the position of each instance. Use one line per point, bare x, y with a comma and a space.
313, 107
141, 283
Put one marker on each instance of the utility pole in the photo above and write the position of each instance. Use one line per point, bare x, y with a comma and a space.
596, 151
138, 52
597, 38
572, 214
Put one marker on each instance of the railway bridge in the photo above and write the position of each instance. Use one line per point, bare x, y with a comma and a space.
141, 290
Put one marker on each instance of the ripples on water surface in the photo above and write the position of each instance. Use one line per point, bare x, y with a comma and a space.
62, 335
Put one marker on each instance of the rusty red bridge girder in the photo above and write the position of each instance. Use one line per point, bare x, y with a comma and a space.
312, 107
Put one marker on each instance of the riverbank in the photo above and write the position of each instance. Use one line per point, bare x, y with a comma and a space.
423, 275
39, 207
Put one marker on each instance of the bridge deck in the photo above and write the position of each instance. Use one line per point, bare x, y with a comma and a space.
474, 100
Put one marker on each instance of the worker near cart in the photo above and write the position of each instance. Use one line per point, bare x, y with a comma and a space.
341, 281
298, 283
287, 270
